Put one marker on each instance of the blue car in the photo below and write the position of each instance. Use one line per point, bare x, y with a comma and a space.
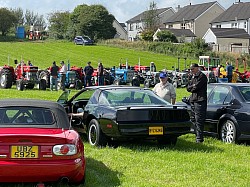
83, 40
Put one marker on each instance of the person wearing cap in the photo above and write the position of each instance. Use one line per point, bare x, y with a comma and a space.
198, 100
87, 72
54, 69
164, 89
63, 71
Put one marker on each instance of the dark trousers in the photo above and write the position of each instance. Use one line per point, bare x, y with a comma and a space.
198, 116
88, 80
63, 79
100, 80
229, 77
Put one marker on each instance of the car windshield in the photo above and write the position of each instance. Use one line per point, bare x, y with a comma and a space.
245, 91
26, 115
123, 97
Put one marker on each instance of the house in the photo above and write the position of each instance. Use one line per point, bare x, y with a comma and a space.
121, 30
138, 23
182, 35
236, 16
228, 39
197, 17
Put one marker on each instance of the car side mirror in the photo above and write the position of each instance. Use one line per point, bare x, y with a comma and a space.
235, 104
186, 100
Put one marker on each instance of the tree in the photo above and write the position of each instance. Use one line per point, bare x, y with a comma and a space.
30, 17
7, 20
18, 12
59, 22
151, 17
147, 35
94, 21
166, 36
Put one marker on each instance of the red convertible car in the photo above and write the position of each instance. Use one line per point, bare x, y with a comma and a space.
37, 144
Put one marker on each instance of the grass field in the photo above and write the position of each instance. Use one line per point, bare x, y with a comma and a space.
42, 54
144, 163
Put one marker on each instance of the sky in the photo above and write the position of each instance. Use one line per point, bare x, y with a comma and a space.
123, 10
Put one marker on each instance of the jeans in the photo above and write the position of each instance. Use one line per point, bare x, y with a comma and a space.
53, 82
198, 116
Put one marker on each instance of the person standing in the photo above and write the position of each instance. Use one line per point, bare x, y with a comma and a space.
53, 76
229, 70
164, 89
100, 74
88, 71
63, 72
217, 73
198, 101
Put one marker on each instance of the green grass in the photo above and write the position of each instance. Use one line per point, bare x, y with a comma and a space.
141, 163
42, 54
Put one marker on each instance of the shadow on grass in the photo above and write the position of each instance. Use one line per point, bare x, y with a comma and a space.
98, 174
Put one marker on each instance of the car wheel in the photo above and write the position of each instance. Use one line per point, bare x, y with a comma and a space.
228, 133
167, 140
95, 134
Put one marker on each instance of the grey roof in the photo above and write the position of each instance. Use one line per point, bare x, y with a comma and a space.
123, 25
142, 16
230, 33
190, 12
239, 11
180, 32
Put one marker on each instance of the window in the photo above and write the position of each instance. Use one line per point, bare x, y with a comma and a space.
220, 95
25, 115
218, 26
234, 25
131, 27
245, 24
170, 26
183, 26
137, 26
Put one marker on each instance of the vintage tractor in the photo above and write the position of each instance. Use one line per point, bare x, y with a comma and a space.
23, 76
73, 79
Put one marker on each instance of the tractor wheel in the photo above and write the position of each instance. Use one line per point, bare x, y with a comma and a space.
46, 76
6, 78
135, 82
42, 84
146, 84
78, 85
20, 85
30, 86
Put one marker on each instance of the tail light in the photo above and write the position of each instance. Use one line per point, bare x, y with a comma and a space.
66, 149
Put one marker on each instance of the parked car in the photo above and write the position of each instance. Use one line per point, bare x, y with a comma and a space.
83, 40
228, 107
111, 113
37, 143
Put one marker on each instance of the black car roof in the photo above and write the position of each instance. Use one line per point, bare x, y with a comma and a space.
108, 87
230, 84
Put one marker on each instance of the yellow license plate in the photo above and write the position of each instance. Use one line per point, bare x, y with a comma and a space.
24, 151
155, 131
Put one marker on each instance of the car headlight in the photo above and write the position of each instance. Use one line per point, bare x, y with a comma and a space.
66, 149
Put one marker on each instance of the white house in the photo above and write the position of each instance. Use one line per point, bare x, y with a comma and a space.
138, 23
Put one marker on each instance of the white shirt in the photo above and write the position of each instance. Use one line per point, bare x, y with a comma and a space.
165, 91
63, 69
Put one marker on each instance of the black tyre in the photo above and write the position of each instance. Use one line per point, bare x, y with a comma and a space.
20, 85
42, 84
167, 140
6, 78
135, 82
46, 76
146, 84
228, 132
30, 86
95, 134
78, 85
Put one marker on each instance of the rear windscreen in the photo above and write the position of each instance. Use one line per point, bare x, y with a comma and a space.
26, 115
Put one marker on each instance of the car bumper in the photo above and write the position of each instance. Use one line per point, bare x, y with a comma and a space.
42, 171
142, 130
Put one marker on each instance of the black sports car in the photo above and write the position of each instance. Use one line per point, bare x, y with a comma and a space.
228, 111
110, 113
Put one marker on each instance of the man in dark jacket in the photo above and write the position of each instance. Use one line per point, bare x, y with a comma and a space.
198, 100
88, 71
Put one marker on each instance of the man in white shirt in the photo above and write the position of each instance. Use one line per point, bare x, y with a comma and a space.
63, 72
164, 89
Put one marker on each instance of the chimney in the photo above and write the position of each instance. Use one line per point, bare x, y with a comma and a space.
178, 8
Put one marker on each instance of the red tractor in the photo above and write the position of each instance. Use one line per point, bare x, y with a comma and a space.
23, 76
